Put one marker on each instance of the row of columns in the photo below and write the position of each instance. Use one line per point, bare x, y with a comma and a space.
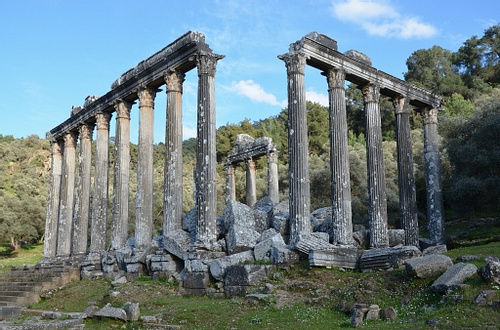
339, 157
251, 181
69, 211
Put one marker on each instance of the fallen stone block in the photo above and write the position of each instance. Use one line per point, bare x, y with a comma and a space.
263, 248
177, 243
428, 266
112, 313
436, 249
196, 280
396, 237
389, 314
454, 277
311, 242
373, 313
219, 266
8, 312
283, 255
132, 310
246, 275
491, 271
387, 257
342, 257
486, 297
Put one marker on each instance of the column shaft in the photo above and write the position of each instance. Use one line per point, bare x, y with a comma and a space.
82, 198
273, 177
339, 160
172, 204
377, 199
251, 185
101, 180
230, 183
65, 226
299, 194
50, 242
406, 177
121, 180
206, 161
144, 197
435, 213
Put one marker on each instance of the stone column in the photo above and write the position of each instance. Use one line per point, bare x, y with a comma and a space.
377, 208
144, 198
406, 177
339, 160
206, 190
100, 195
172, 204
251, 185
298, 170
435, 213
82, 198
50, 242
230, 183
65, 225
121, 180
273, 177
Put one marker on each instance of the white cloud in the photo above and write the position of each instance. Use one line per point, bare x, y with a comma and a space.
379, 18
255, 92
318, 98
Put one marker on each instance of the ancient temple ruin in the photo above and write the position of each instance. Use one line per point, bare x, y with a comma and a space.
247, 149
198, 247
321, 52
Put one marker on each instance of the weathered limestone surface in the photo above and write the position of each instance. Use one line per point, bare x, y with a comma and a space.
454, 277
219, 266
387, 257
299, 193
428, 266
81, 213
122, 176
50, 244
65, 225
269, 239
100, 196
342, 257
251, 184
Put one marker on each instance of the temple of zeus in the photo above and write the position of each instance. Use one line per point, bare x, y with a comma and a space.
77, 211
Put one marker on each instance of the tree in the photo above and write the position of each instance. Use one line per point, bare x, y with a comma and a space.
434, 70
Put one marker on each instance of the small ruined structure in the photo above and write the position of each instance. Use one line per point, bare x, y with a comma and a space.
321, 52
247, 149
198, 247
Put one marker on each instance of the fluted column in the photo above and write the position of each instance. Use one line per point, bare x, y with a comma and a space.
377, 199
230, 183
65, 225
144, 197
251, 185
273, 177
298, 170
172, 204
121, 180
339, 160
206, 161
82, 198
101, 180
406, 177
50, 242
435, 213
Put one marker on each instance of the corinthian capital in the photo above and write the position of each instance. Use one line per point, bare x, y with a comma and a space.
102, 120
174, 80
86, 130
70, 140
401, 104
207, 62
430, 115
335, 78
371, 92
294, 62
146, 96
122, 109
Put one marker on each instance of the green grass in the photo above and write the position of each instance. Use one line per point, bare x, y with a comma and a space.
27, 255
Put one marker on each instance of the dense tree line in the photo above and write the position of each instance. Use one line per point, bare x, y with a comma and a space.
469, 125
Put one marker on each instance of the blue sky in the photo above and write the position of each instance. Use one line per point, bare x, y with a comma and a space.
54, 53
